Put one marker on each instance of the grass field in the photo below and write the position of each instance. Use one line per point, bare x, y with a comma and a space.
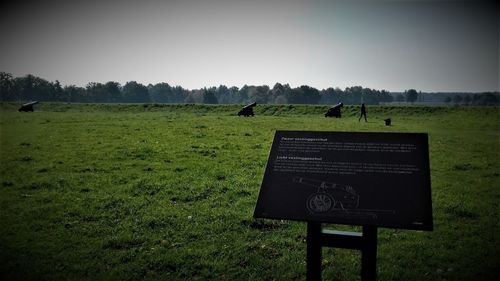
158, 192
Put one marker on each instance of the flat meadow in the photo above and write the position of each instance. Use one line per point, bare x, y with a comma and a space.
167, 192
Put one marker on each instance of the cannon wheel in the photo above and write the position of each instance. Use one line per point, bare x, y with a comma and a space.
320, 202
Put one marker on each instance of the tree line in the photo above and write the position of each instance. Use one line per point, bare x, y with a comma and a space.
473, 99
30, 87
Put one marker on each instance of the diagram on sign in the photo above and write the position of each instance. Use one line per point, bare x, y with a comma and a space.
335, 199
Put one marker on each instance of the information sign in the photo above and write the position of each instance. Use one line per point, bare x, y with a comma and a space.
354, 178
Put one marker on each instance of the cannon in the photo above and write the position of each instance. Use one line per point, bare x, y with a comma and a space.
329, 196
27, 107
335, 111
247, 110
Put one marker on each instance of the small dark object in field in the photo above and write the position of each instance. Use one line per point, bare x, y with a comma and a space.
387, 121
335, 111
247, 110
7, 183
27, 107
26, 158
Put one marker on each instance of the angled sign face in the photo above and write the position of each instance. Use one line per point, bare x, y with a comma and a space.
376, 179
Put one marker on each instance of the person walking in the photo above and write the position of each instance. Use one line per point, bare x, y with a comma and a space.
363, 112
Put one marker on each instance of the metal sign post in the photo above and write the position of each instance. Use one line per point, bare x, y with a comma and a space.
365, 241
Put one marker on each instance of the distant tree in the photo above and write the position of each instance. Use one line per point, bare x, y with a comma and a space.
223, 95
259, 94
311, 94
411, 95
331, 96
467, 100
97, 92
179, 94
233, 94
75, 94
26, 87
386, 96
189, 99
352, 95
295, 96
135, 92
57, 92
280, 100
197, 95
278, 94
475, 99
447, 99
277, 90
242, 96
304, 95
31, 87
368, 96
400, 98
489, 99
160, 93
209, 97
113, 91
6, 89
457, 99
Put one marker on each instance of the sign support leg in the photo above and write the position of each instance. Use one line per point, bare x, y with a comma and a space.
369, 254
366, 242
313, 259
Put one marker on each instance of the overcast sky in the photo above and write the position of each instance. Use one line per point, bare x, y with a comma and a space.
392, 45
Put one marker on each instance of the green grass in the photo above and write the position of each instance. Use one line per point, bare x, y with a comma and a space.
167, 192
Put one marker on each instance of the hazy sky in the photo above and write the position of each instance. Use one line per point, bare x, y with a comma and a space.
393, 45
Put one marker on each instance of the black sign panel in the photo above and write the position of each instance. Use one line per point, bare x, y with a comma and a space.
377, 179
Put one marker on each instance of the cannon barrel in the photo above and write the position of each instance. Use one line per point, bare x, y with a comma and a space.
27, 107
30, 103
247, 110
338, 105
322, 184
250, 105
